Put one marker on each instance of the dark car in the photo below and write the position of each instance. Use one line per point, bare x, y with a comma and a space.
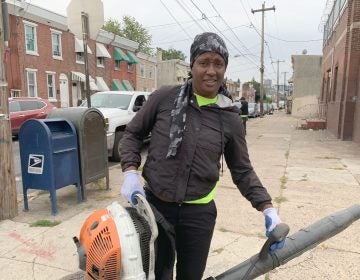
24, 108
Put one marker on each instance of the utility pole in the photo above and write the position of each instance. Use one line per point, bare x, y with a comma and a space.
85, 30
262, 10
277, 81
285, 95
8, 194
284, 81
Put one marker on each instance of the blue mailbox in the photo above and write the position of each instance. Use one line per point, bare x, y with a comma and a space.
49, 157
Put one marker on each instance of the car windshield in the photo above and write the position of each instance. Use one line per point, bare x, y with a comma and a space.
120, 101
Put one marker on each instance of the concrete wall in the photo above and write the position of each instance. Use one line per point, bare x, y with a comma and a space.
305, 107
306, 85
171, 72
146, 82
306, 77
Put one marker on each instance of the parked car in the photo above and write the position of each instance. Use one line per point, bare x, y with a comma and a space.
24, 108
118, 108
254, 110
237, 104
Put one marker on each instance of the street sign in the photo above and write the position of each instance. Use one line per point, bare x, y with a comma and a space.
95, 12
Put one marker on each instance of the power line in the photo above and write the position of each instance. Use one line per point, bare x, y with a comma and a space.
173, 23
204, 16
190, 15
175, 19
283, 40
227, 25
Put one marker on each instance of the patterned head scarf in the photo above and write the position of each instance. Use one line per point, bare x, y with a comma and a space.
205, 42
208, 42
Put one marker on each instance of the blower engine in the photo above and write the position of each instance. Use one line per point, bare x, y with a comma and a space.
119, 243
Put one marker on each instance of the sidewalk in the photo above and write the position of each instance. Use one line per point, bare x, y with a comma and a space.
309, 174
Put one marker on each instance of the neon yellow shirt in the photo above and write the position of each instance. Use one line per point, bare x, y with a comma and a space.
203, 101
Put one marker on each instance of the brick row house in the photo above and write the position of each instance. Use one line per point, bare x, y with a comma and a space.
46, 60
340, 73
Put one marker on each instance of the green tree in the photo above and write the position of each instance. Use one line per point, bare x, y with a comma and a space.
113, 26
256, 86
132, 30
172, 54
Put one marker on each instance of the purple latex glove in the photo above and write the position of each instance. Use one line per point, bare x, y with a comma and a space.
132, 185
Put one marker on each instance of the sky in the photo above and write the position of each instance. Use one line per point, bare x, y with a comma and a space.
293, 27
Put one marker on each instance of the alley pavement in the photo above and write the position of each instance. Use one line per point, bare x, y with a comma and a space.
309, 174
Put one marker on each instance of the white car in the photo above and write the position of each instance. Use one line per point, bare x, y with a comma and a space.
118, 108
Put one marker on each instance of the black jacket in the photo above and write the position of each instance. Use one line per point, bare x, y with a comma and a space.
194, 171
244, 108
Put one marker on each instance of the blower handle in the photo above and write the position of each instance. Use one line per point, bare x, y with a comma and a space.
278, 234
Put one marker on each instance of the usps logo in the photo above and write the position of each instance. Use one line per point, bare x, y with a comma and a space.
36, 164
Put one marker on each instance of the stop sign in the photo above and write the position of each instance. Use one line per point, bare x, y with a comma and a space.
95, 11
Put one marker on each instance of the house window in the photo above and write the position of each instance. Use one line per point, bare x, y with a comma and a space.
101, 54
30, 38
100, 61
117, 64
130, 67
151, 72
50, 77
80, 57
142, 70
31, 82
15, 92
56, 43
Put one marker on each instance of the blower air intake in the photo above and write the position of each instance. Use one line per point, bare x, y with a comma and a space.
118, 243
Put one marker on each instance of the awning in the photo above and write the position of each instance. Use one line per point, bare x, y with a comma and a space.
117, 85
124, 85
120, 55
79, 46
132, 57
127, 85
101, 84
101, 51
78, 76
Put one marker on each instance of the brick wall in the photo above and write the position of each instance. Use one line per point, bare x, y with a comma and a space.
340, 91
19, 61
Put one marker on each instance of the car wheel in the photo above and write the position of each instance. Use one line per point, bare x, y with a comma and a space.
117, 146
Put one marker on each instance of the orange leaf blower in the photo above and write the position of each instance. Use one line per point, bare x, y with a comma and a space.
119, 243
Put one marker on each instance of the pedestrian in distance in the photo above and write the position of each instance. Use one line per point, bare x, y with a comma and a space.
244, 111
193, 127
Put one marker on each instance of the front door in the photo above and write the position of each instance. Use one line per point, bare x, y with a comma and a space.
64, 91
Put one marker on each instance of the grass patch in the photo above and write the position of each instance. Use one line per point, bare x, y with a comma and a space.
328, 157
337, 168
287, 154
283, 180
44, 223
280, 199
223, 230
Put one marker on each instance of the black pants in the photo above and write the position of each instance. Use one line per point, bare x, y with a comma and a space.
194, 227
